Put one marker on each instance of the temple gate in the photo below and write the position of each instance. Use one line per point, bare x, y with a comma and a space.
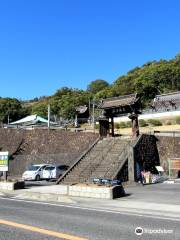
119, 106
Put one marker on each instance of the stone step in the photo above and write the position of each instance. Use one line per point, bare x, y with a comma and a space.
102, 161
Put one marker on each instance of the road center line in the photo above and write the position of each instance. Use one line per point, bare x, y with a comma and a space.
41, 230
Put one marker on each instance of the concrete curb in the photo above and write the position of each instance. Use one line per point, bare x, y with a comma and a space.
124, 207
44, 197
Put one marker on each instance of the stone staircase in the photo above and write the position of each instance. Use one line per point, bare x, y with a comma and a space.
104, 160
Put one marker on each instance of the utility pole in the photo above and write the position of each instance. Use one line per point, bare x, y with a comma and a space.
93, 118
49, 116
89, 111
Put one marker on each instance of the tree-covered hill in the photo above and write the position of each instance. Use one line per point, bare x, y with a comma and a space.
155, 77
152, 78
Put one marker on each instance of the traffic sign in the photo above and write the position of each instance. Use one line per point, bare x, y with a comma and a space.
4, 161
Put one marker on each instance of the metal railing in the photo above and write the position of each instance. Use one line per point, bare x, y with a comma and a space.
77, 161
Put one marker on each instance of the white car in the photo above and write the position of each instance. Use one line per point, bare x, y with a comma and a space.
54, 171
34, 172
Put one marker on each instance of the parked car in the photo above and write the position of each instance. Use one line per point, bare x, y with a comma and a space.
54, 171
34, 172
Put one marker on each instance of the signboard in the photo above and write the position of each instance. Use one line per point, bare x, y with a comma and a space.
160, 169
175, 164
4, 161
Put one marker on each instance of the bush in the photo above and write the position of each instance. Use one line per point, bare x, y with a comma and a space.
125, 125
154, 122
178, 120
122, 125
128, 124
168, 123
142, 123
116, 125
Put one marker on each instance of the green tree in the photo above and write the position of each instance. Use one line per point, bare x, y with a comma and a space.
10, 108
40, 108
155, 77
63, 103
97, 85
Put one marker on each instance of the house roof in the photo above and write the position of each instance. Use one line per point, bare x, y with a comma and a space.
81, 109
32, 119
170, 97
118, 101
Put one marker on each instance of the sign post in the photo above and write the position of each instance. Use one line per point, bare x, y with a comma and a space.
4, 163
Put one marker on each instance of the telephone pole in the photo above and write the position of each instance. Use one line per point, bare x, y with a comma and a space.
49, 115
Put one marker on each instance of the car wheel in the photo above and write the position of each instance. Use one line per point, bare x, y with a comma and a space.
37, 178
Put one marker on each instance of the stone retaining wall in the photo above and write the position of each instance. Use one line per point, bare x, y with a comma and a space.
92, 191
42, 146
168, 147
11, 185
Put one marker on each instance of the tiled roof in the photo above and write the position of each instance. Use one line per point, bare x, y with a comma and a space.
118, 101
174, 96
81, 109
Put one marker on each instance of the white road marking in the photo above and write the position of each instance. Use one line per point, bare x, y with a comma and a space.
128, 213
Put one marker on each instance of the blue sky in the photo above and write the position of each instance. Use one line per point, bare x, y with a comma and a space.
47, 44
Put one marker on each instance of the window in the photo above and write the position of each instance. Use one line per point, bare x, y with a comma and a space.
63, 167
33, 168
50, 168
43, 167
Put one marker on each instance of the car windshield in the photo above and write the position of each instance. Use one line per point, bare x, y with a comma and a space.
33, 168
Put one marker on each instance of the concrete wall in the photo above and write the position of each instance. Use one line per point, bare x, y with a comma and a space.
145, 116
96, 191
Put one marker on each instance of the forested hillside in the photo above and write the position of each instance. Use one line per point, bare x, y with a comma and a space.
155, 77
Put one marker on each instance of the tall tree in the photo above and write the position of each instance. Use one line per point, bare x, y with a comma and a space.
97, 85
10, 109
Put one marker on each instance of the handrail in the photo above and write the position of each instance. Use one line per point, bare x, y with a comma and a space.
78, 160
124, 156
109, 150
96, 165
124, 153
137, 140
86, 167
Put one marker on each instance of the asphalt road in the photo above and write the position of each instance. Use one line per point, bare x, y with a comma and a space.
159, 193
76, 222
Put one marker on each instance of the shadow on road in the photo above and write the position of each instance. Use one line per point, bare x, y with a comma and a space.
32, 184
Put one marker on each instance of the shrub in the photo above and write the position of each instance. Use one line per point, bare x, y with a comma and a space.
122, 125
128, 124
154, 122
178, 120
168, 123
142, 123
125, 125
116, 125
